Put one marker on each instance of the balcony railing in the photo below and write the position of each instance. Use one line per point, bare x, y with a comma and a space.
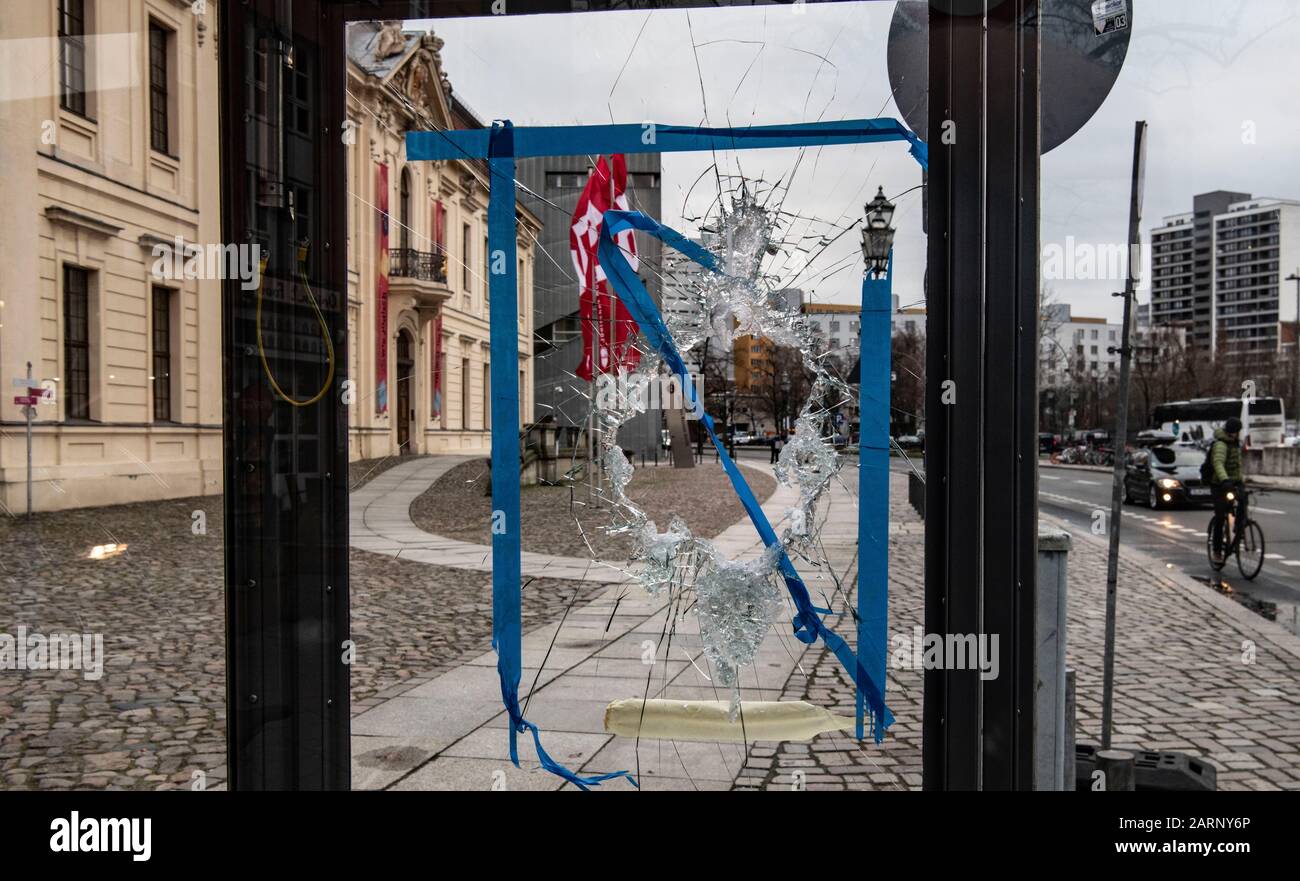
419, 265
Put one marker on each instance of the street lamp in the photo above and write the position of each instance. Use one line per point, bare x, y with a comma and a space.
878, 234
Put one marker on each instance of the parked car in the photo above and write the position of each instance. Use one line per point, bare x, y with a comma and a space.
740, 438
1047, 443
1165, 476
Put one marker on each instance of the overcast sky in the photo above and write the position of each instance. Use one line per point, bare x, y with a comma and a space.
1197, 70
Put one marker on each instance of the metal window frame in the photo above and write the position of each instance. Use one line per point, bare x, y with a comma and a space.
981, 450
72, 57
161, 354
76, 381
983, 200
159, 73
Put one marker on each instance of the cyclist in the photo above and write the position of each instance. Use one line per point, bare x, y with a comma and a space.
1223, 465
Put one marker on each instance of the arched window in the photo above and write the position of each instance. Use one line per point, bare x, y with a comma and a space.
405, 210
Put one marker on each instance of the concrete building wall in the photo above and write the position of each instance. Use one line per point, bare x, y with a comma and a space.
87, 190
1257, 243
387, 97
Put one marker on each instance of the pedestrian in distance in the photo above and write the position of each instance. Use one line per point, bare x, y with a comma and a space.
777, 443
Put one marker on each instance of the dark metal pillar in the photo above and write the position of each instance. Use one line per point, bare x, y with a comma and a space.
981, 454
285, 439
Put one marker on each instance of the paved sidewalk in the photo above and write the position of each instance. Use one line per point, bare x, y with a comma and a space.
449, 733
1195, 672
381, 523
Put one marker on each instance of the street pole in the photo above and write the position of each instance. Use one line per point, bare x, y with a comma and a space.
29, 410
1121, 431
1295, 390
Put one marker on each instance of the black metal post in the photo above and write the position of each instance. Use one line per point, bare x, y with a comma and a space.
285, 424
1121, 432
981, 395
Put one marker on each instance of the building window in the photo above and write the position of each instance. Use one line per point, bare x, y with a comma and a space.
565, 180
487, 272
72, 55
464, 393
162, 354
464, 257
76, 341
159, 124
404, 210
487, 396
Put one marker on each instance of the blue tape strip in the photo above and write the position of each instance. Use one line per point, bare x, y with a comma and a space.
808, 625
873, 479
500, 145
569, 140
503, 312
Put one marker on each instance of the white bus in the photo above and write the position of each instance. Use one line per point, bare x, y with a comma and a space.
1194, 421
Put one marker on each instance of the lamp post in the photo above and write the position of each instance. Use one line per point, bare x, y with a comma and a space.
874, 368
1295, 391
878, 234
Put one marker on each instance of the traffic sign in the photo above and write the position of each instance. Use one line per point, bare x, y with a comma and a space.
26, 400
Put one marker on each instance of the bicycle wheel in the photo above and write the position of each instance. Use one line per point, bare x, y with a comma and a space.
1217, 562
1250, 550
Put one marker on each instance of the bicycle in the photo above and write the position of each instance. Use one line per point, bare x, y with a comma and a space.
1241, 537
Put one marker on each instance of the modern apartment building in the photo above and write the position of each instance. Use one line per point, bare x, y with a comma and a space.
1256, 245
1074, 348
1219, 270
838, 326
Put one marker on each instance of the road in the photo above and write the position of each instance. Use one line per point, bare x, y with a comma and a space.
1176, 537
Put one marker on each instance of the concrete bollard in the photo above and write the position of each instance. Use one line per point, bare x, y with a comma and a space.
1050, 716
1119, 770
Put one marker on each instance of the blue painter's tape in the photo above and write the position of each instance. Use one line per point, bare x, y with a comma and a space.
808, 625
507, 626
578, 140
873, 479
500, 145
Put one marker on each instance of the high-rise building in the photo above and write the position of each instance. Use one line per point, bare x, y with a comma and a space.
556, 183
1256, 244
1218, 271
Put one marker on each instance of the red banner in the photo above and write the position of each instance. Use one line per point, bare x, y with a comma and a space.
437, 369
381, 295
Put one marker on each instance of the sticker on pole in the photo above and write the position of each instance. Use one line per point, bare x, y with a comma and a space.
1109, 16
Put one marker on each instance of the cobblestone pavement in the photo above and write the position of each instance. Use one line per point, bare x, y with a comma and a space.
458, 507
158, 712
1183, 680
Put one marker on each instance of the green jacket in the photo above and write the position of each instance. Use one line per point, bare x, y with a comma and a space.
1225, 456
